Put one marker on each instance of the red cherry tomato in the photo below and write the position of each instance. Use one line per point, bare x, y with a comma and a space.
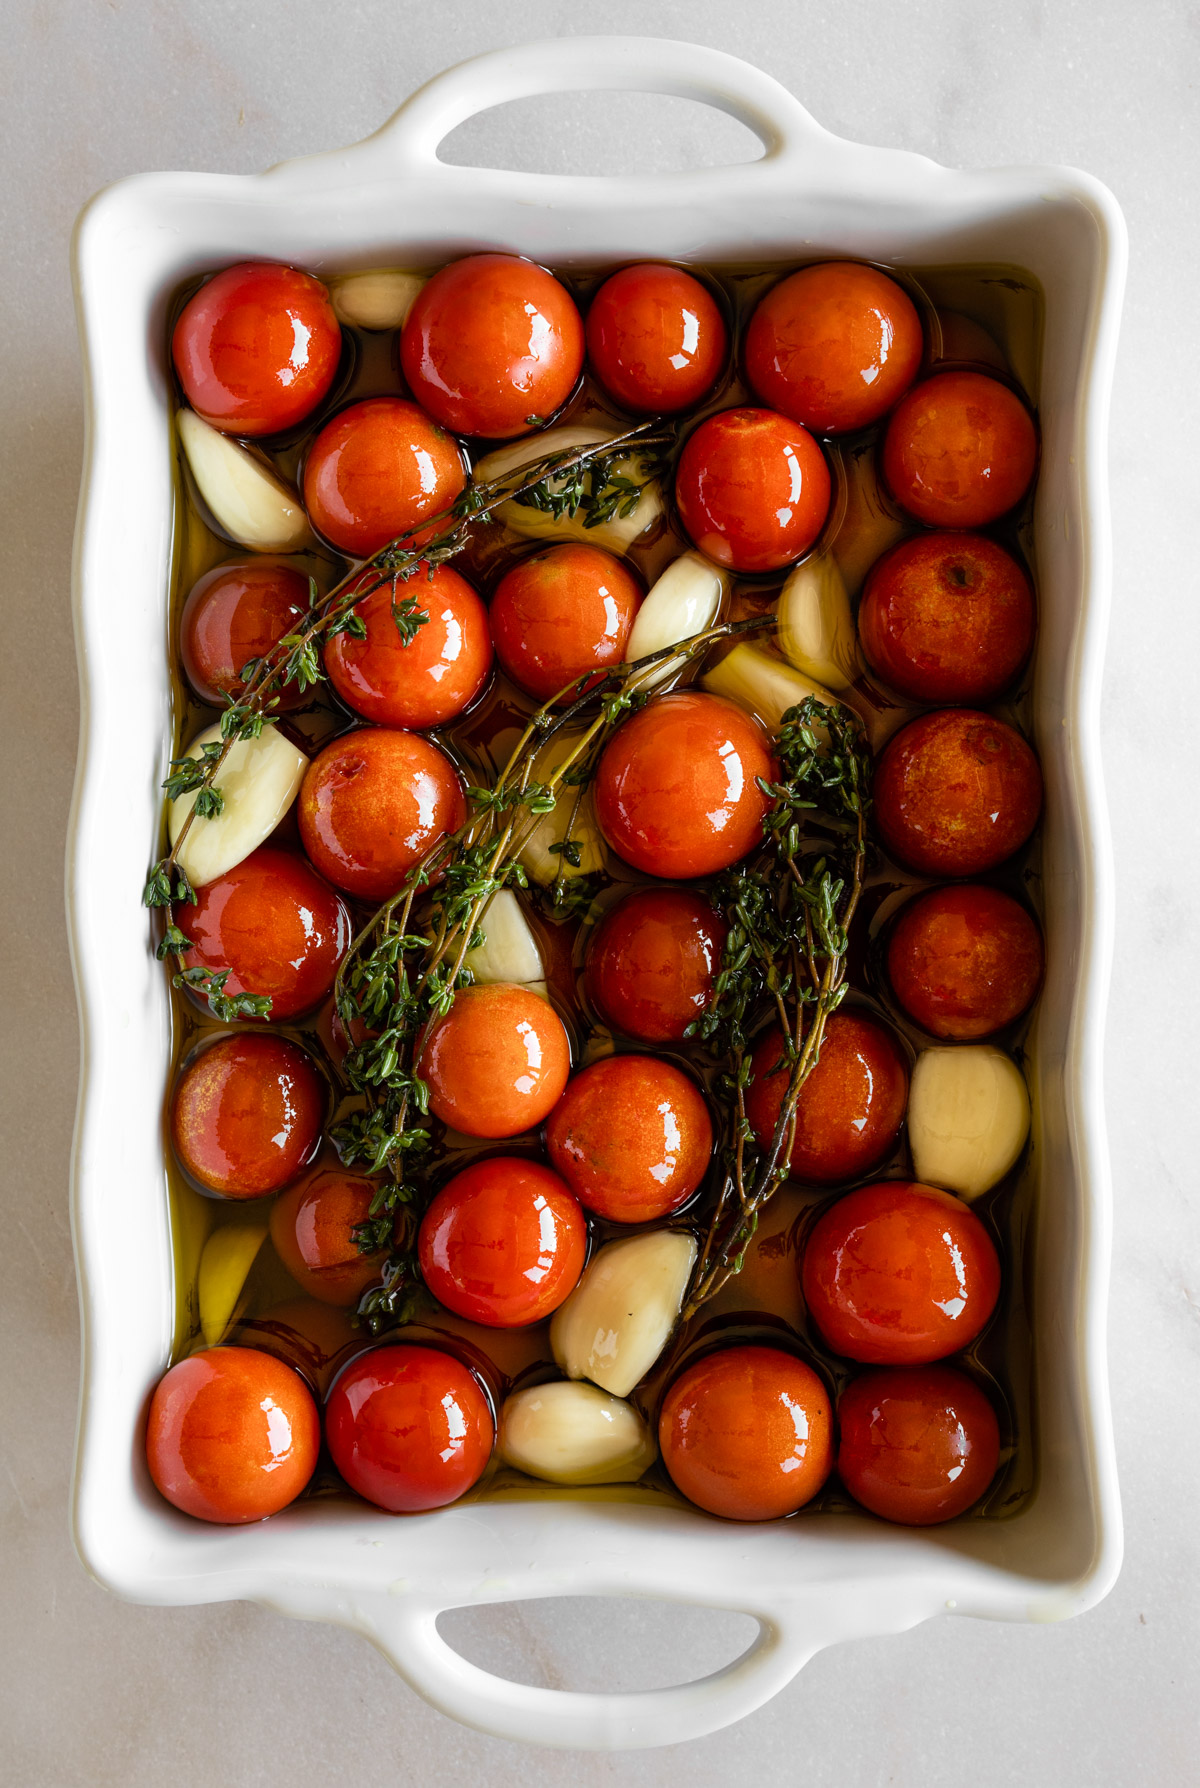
503, 1243
632, 1138
491, 343
246, 1114
562, 613
409, 1428
956, 792
898, 1274
919, 1444
850, 1108
433, 677
656, 339
747, 1433
947, 618
256, 348
834, 346
377, 470
276, 927
236, 612
960, 451
372, 804
652, 962
312, 1228
677, 791
497, 1062
753, 489
964, 962
232, 1436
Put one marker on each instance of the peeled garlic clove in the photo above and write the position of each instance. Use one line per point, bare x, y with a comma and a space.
764, 684
570, 1433
868, 527
968, 1117
619, 1317
684, 601
379, 298
816, 628
259, 780
536, 524
509, 951
247, 499
225, 1264
551, 828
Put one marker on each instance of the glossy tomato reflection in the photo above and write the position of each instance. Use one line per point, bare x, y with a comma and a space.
409, 1428
960, 451
246, 1114
652, 961
497, 1062
753, 489
380, 468
371, 805
918, 1444
632, 1138
850, 1107
503, 1243
234, 613
656, 338
562, 613
418, 682
956, 792
313, 1229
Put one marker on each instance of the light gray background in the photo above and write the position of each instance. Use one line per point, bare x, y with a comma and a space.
94, 1692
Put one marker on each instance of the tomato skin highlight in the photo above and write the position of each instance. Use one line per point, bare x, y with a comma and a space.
312, 1230
851, 1106
960, 451
371, 805
656, 339
918, 1444
433, 677
409, 1428
503, 1243
752, 489
247, 1113
497, 1062
378, 469
235, 612
652, 961
561, 613
965, 961
956, 792
632, 1138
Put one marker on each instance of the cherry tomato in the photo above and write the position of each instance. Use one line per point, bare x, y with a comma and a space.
964, 962
433, 676
677, 791
753, 489
312, 1228
919, 1444
492, 346
503, 1243
247, 1113
898, 1274
562, 613
233, 1435
632, 1138
747, 1433
275, 926
372, 804
850, 1108
379, 469
834, 346
497, 1062
409, 1428
956, 792
236, 612
652, 961
947, 618
960, 451
656, 339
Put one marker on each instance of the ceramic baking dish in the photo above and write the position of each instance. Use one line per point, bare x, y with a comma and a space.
390, 201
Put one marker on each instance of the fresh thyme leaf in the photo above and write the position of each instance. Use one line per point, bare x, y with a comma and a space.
224, 1007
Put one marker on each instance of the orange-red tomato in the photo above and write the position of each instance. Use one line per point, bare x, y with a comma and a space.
677, 790
632, 1138
753, 489
747, 1433
898, 1274
960, 451
236, 612
851, 1106
433, 677
492, 345
497, 1062
256, 348
919, 1444
233, 1435
276, 927
834, 346
956, 792
372, 804
247, 1113
312, 1228
947, 618
964, 962
652, 961
379, 469
503, 1243
562, 613
656, 338
409, 1428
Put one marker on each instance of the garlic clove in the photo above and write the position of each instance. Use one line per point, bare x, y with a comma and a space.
869, 525
542, 863
377, 298
762, 683
245, 496
620, 1316
535, 524
968, 1117
816, 628
685, 600
259, 780
509, 951
225, 1264
572, 1433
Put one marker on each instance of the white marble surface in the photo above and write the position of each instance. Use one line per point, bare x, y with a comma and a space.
93, 1692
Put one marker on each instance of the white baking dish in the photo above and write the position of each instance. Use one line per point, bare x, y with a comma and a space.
386, 201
